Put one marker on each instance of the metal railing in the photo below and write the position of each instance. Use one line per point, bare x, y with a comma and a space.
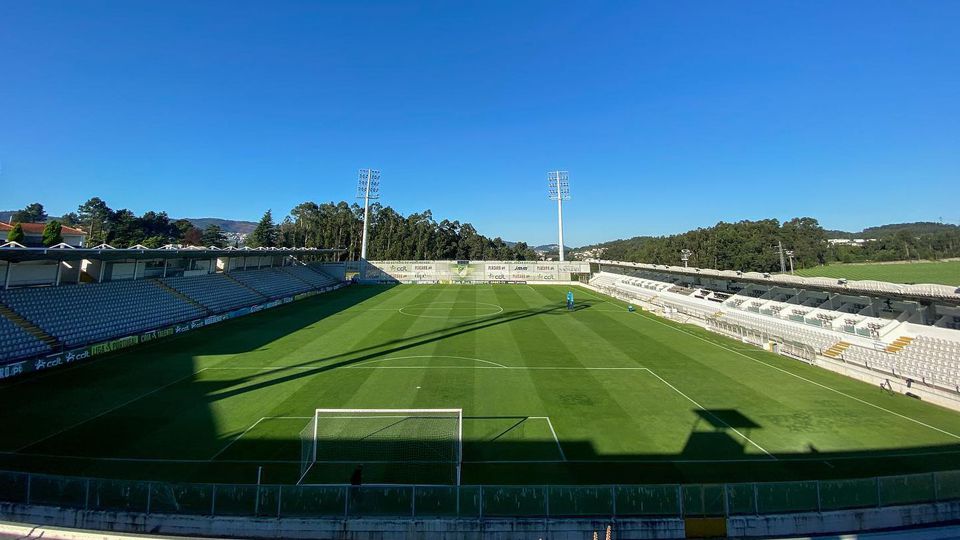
476, 502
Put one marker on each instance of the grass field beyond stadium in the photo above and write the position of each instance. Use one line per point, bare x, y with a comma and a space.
589, 396
944, 273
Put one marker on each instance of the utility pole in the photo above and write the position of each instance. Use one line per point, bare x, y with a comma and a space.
783, 264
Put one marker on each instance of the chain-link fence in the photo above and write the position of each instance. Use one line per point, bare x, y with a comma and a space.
474, 502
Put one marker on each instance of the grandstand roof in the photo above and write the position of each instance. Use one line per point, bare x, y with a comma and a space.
106, 253
926, 291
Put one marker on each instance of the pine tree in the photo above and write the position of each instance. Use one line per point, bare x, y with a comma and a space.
265, 235
213, 236
33, 213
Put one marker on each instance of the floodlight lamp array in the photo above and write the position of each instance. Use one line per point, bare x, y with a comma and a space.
368, 184
558, 185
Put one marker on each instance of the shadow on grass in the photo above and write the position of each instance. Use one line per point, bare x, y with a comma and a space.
115, 416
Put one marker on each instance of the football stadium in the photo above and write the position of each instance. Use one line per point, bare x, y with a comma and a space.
635, 270
249, 382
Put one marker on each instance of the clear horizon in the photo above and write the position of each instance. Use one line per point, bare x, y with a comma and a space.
669, 116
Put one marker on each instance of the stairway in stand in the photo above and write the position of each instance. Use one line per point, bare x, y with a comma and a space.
836, 349
30, 328
899, 344
180, 295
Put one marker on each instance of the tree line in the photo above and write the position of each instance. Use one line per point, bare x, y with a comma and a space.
755, 245
122, 228
905, 241
391, 235
744, 245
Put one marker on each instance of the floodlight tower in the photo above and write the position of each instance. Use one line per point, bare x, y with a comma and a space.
685, 256
368, 187
558, 183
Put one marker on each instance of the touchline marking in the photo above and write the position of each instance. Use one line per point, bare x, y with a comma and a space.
825, 387
124, 404
597, 297
702, 408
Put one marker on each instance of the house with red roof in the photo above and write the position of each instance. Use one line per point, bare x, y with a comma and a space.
33, 234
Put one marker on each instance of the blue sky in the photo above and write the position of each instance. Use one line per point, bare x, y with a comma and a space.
669, 115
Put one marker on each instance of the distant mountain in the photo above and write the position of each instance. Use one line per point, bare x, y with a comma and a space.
228, 225
5, 215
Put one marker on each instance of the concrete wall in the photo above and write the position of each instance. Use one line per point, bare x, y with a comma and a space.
811, 523
943, 398
32, 273
843, 521
353, 529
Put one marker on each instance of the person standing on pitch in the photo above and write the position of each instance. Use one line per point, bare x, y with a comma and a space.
570, 300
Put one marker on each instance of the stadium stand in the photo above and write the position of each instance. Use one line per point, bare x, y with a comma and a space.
80, 314
310, 275
271, 282
216, 292
16, 343
808, 324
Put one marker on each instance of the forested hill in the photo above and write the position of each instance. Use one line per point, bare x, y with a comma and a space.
753, 245
746, 245
919, 228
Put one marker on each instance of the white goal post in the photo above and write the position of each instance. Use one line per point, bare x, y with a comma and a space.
422, 437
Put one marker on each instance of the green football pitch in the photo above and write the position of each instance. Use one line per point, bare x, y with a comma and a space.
944, 273
594, 395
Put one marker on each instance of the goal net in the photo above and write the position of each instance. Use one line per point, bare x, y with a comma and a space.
431, 438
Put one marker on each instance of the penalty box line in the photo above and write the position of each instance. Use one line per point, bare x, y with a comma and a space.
563, 457
253, 425
715, 417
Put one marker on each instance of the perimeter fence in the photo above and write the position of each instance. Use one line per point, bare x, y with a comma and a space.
476, 502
